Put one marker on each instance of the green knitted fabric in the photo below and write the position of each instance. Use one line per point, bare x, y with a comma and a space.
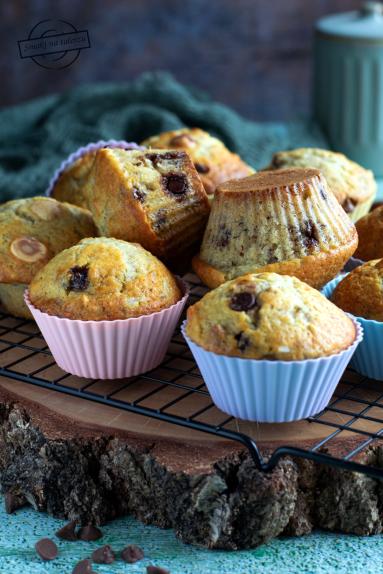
36, 136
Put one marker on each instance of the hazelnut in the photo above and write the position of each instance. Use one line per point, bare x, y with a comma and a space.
28, 249
45, 209
182, 140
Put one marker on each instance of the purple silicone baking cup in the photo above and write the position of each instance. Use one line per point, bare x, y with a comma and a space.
271, 391
83, 151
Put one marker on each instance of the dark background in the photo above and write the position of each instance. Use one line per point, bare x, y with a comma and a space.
253, 55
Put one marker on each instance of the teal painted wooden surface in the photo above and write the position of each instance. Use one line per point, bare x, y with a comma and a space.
320, 553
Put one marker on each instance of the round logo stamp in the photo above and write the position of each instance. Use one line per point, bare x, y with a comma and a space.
54, 44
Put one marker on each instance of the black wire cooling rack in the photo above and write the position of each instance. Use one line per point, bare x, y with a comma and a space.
354, 414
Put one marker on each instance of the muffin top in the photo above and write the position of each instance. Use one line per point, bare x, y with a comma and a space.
71, 183
370, 233
269, 316
103, 279
213, 161
33, 230
361, 291
350, 182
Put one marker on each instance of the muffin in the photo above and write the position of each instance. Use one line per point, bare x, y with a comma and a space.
153, 197
269, 316
32, 231
213, 161
361, 291
370, 234
69, 183
270, 347
106, 308
284, 221
353, 186
103, 279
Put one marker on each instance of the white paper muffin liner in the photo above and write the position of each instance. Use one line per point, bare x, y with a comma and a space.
271, 391
368, 358
109, 349
80, 152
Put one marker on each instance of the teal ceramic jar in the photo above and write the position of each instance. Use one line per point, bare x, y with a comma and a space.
348, 83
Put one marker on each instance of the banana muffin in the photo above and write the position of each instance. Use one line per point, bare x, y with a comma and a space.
72, 182
269, 316
103, 279
213, 161
152, 197
284, 221
361, 291
370, 234
32, 231
353, 186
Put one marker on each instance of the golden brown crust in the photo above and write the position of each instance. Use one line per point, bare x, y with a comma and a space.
71, 184
286, 222
33, 230
353, 186
361, 291
269, 316
370, 232
213, 161
104, 279
129, 199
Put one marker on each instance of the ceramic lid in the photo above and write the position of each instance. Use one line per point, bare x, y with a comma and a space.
367, 23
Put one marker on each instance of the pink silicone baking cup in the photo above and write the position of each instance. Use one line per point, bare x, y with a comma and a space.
109, 349
80, 152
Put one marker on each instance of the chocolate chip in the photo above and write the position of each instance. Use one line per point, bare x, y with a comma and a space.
243, 301
83, 567
139, 194
89, 533
132, 554
348, 205
103, 555
201, 168
155, 158
156, 570
310, 234
46, 549
68, 532
224, 236
78, 280
175, 184
242, 341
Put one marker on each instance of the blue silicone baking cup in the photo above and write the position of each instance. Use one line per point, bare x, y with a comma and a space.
368, 357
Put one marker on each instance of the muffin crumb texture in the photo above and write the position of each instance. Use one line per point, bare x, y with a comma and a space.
361, 292
104, 279
269, 316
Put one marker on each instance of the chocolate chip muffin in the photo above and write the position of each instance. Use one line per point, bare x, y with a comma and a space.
269, 316
103, 279
72, 182
370, 233
32, 231
284, 221
153, 197
353, 186
213, 161
361, 291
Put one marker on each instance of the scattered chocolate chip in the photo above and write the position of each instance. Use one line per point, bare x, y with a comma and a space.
89, 533
243, 301
132, 553
78, 280
201, 168
103, 555
310, 234
68, 532
156, 570
242, 341
174, 183
83, 567
139, 194
155, 158
46, 549
348, 205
